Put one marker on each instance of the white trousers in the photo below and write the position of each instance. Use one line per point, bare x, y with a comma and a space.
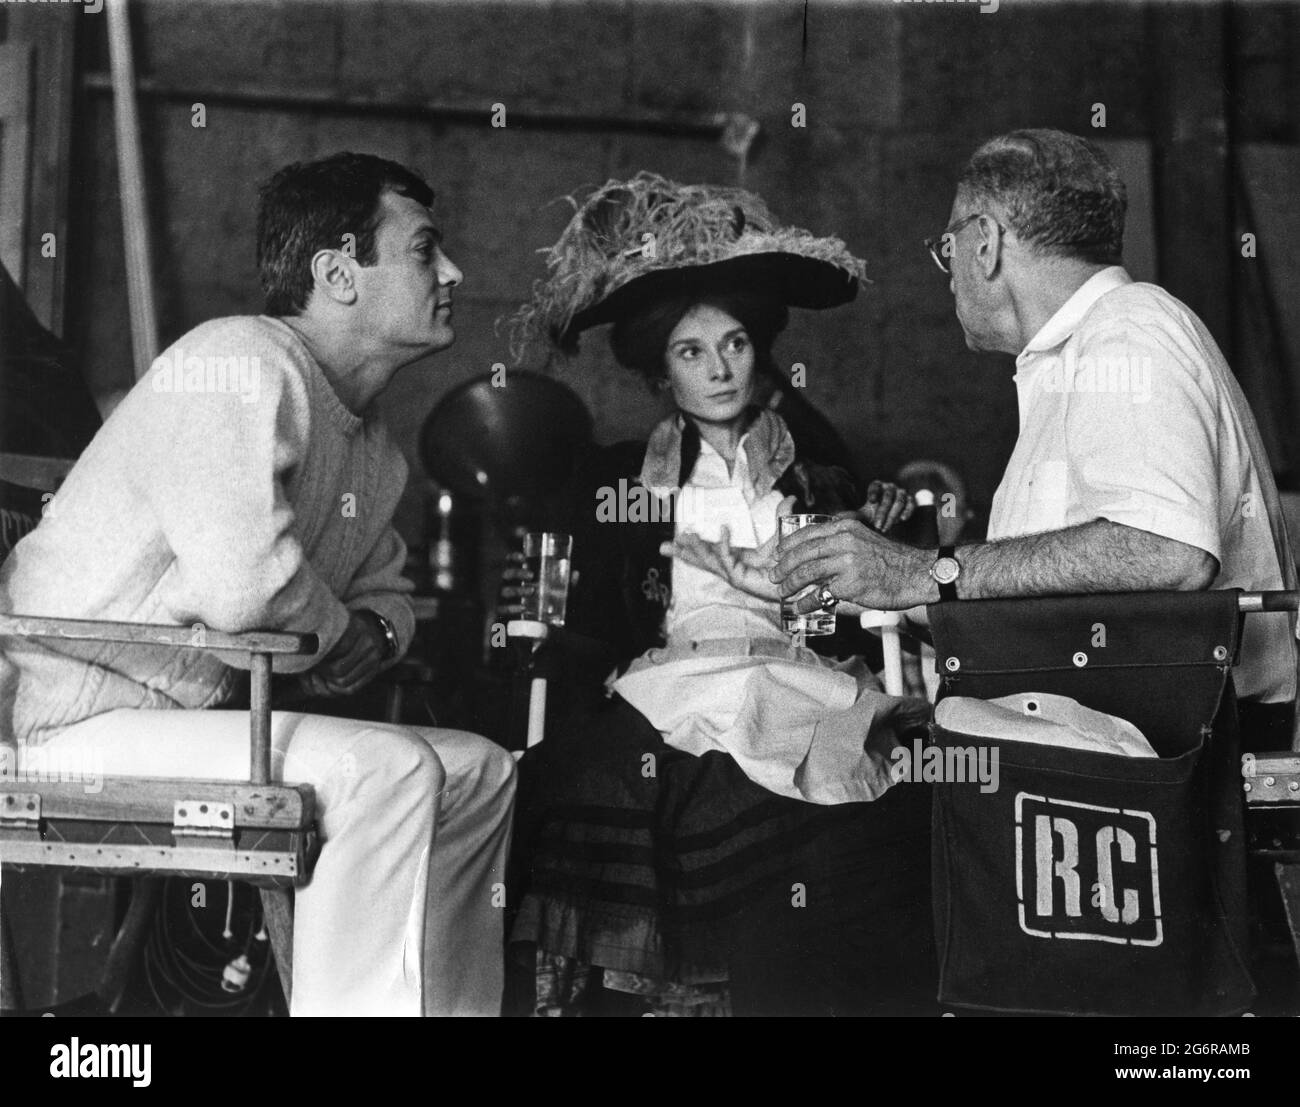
403, 912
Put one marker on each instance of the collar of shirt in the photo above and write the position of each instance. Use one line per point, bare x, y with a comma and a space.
766, 449
1070, 314
711, 468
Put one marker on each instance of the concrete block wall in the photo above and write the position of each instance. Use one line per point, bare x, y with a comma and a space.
896, 94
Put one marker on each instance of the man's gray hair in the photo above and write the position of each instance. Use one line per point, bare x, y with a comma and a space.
1057, 191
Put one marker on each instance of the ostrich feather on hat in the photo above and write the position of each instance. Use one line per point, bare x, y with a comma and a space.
633, 241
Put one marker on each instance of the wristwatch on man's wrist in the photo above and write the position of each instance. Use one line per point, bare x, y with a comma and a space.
945, 571
391, 645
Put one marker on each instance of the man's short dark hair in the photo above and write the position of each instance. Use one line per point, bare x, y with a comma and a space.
1057, 191
310, 206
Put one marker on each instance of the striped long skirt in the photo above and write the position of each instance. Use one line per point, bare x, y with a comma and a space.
677, 877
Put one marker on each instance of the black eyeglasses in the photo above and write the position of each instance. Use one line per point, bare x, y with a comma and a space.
936, 243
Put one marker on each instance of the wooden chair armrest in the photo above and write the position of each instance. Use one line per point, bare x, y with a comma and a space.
259, 645
157, 634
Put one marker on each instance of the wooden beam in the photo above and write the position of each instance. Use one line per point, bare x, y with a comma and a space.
1193, 180
268, 94
50, 30
131, 185
15, 154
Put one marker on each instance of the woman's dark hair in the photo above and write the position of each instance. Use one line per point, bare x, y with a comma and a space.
639, 340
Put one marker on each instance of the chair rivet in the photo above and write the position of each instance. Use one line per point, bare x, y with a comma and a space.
1080, 659
1269, 782
1294, 786
1220, 653
1246, 786
952, 664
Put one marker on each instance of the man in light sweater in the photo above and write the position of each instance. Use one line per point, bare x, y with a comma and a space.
246, 482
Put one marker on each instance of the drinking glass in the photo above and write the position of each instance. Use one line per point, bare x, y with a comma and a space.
814, 623
547, 557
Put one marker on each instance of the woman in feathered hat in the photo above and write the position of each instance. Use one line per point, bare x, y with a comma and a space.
721, 829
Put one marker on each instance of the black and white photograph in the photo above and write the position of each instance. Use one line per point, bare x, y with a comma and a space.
651, 508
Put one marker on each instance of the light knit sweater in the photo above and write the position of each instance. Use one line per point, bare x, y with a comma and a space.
230, 494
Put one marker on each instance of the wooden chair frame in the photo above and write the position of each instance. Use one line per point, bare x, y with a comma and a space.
203, 844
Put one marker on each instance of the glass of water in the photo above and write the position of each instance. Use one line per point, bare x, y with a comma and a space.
547, 557
814, 623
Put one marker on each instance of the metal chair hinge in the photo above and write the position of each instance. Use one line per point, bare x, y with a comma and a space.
20, 811
203, 819
1272, 780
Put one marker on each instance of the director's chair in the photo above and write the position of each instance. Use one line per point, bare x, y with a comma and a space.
255, 831
1089, 882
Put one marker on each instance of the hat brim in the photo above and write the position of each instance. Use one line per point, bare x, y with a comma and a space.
796, 281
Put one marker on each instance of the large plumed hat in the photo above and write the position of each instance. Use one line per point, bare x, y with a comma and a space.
631, 242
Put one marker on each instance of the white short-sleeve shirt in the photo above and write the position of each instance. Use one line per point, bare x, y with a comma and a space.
1128, 412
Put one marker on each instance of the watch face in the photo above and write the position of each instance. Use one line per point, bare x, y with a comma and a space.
946, 570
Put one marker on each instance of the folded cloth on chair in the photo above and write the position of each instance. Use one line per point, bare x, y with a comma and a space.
1046, 719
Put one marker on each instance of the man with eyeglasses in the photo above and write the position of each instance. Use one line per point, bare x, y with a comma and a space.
1138, 465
